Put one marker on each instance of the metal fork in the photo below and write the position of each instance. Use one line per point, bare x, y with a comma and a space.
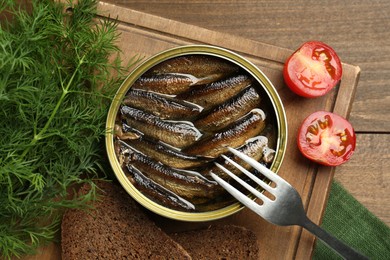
285, 210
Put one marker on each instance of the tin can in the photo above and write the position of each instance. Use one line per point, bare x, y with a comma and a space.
248, 67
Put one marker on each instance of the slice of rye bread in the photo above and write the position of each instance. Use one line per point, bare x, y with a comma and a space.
219, 242
116, 229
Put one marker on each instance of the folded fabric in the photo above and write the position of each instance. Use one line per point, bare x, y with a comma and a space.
352, 223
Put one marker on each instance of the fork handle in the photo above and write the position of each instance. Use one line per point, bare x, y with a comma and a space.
344, 250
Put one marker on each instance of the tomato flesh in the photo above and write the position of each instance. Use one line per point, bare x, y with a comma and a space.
312, 70
326, 138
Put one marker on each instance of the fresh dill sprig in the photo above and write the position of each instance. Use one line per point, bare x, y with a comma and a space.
55, 89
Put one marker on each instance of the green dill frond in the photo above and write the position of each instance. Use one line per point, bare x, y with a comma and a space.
57, 78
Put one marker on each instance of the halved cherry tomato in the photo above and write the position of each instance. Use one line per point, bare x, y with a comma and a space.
326, 138
312, 70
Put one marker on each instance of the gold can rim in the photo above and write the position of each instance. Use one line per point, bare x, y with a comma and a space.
231, 56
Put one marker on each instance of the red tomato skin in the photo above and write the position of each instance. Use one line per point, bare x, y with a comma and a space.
329, 136
307, 75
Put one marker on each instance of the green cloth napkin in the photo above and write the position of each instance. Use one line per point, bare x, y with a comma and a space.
352, 223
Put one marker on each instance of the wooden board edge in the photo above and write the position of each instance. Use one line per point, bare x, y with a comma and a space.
324, 176
306, 241
347, 90
193, 33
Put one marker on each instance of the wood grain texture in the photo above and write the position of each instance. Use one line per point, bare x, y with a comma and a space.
366, 176
357, 30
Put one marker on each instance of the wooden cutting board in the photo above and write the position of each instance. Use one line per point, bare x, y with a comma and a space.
145, 35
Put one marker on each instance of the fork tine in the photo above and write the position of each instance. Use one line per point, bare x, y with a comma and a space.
243, 183
249, 174
287, 208
255, 164
238, 195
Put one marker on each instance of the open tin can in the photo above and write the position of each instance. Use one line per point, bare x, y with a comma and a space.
269, 96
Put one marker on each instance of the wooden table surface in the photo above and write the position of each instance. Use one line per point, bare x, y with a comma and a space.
357, 30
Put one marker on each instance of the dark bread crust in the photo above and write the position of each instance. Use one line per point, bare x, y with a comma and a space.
116, 229
219, 242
